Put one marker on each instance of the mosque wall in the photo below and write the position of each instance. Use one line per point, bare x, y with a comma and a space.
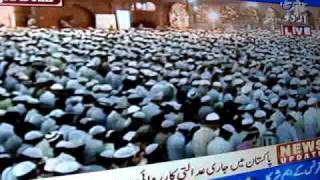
7, 16
244, 14
81, 13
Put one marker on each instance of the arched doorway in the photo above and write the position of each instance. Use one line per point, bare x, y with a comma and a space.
141, 10
84, 17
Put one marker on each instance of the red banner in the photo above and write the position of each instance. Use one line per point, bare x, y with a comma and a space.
295, 30
31, 3
298, 151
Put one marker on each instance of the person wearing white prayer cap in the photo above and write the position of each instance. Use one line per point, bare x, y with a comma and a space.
153, 153
260, 117
250, 140
105, 158
279, 115
247, 123
299, 123
286, 132
176, 146
114, 78
125, 155
33, 137
48, 98
221, 144
205, 134
311, 119
168, 127
117, 122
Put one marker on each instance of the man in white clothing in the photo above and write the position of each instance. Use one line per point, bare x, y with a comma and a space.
312, 119
286, 131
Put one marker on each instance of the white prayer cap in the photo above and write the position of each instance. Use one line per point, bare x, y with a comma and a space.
247, 121
173, 104
229, 128
32, 152
116, 68
56, 113
242, 99
167, 123
23, 168
139, 115
247, 88
56, 86
151, 148
283, 103
31, 135
250, 107
294, 81
133, 109
293, 92
237, 82
217, 84
69, 144
312, 101
129, 136
258, 85
260, 114
295, 115
126, 152
228, 78
186, 126
67, 167
274, 100
292, 103
97, 130
205, 99
204, 82
276, 88
302, 104
107, 153
92, 83
151, 82
212, 117
227, 97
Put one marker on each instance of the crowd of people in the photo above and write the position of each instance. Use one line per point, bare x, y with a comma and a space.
74, 101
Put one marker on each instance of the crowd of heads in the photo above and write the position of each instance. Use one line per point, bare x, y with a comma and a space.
74, 101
